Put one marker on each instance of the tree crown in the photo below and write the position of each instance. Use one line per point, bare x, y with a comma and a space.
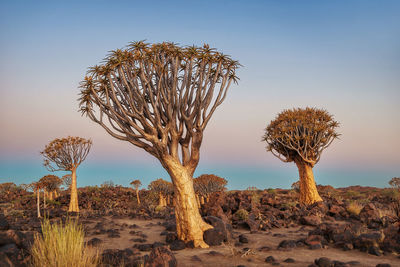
301, 134
136, 183
161, 186
158, 96
209, 183
395, 182
66, 153
51, 182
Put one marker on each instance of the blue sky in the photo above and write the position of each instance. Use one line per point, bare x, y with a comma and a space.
343, 56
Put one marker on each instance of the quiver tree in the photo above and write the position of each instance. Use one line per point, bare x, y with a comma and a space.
395, 182
37, 186
66, 181
160, 98
66, 154
136, 184
163, 189
207, 184
6, 188
51, 184
300, 135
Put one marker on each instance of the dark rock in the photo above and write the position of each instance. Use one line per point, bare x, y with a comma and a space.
287, 244
171, 227
365, 241
214, 253
213, 237
354, 263
177, 245
224, 228
323, 262
383, 265
94, 242
315, 246
3, 222
170, 237
144, 247
312, 220
161, 256
138, 240
158, 244
5, 261
374, 251
264, 249
196, 258
289, 260
270, 259
340, 264
243, 239
315, 240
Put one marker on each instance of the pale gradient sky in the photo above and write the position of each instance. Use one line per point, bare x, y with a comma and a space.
343, 56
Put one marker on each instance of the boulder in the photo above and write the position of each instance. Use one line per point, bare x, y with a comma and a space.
3, 222
177, 245
161, 257
324, 262
213, 237
312, 220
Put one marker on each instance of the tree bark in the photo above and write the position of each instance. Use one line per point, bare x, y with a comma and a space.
189, 224
161, 200
44, 199
38, 202
137, 195
308, 191
73, 204
202, 200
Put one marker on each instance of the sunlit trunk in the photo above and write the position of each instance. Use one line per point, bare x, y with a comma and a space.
137, 195
44, 198
198, 200
73, 204
38, 202
308, 191
190, 226
161, 200
168, 200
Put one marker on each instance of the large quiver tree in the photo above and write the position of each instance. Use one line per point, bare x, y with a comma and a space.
160, 98
300, 135
66, 154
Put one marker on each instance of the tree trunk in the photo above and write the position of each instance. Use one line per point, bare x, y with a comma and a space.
44, 199
189, 224
73, 203
308, 191
38, 202
161, 200
198, 200
202, 200
137, 196
168, 200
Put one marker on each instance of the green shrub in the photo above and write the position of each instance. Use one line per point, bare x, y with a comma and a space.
63, 246
242, 214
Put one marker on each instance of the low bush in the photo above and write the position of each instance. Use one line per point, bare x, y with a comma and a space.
242, 214
62, 246
354, 208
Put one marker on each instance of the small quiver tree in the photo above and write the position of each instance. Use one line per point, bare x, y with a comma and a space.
207, 184
37, 186
300, 135
395, 183
163, 189
160, 98
136, 184
66, 154
51, 185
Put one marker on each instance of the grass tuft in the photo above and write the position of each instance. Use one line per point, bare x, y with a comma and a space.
354, 208
63, 246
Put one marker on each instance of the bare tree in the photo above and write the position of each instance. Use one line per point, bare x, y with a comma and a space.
136, 184
300, 135
160, 98
67, 154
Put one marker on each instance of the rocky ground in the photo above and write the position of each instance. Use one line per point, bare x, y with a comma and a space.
354, 226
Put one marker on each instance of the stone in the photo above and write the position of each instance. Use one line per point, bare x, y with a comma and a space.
383, 265
170, 237
243, 239
94, 242
224, 228
323, 262
374, 251
177, 245
213, 237
3, 222
160, 257
287, 244
270, 259
196, 258
311, 220
289, 260
5, 261
144, 247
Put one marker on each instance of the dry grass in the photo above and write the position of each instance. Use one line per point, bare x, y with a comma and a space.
354, 208
63, 246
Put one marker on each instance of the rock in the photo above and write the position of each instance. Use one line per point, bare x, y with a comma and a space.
3, 222
171, 227
214, 253
287, 244
383, 265
311, 220
340, 264
94, 242
161, 257
323, 262
289, 260
374, 251
214, 206
335, 210
365, 241
196, 258
315, 240
158, 244
353, 263
264, 249
5, 261
144, 247
170, 237
224, 228
177, 245
270, 259
213, 237
115, 257
243, 239
315, 246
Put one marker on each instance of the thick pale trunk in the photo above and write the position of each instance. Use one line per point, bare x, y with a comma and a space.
161, 200
202, 200
189, 224
38, 202
308, 191
73, 204
137, 196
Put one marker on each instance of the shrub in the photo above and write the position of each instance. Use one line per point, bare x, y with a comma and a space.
62, 246
354, 208
242, 214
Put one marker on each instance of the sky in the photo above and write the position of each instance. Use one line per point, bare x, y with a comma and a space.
343, 56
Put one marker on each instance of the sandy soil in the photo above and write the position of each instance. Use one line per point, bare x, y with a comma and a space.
228, 254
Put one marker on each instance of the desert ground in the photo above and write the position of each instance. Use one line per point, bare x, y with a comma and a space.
354, 226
